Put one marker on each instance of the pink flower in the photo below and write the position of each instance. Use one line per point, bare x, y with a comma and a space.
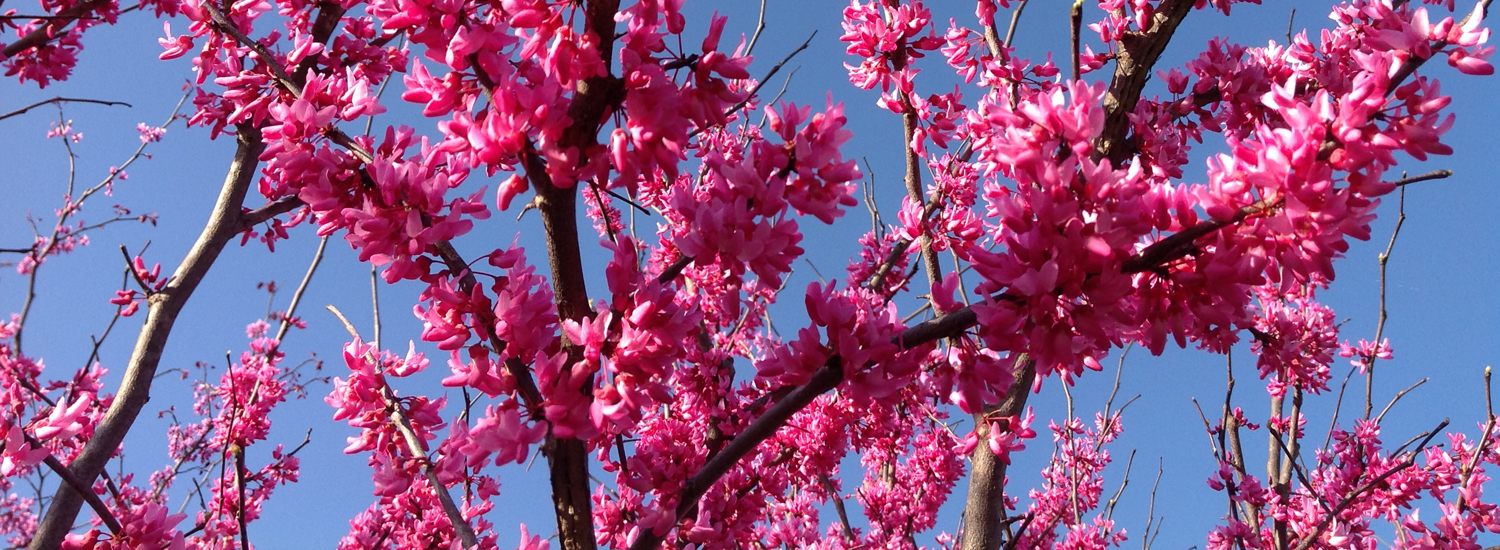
18, 454
532, 542
150, 133
507, 191
65, 422
502, 432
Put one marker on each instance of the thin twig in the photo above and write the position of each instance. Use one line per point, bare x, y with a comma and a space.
1294, 448
760, 25
47, 17
868, 190
1380, 324
785, 83
627, 200
60, 99
1398, 397
1229, 435
375, 303
1075, 25
838, 506
370, 120
1015, 20
1113, 500
416, 447
1484, 442
291, 308
1151, 509
1337, 405
1207, 429
1289, 20
134, 275
762, 82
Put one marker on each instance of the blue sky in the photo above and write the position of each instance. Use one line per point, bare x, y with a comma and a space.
1441, 292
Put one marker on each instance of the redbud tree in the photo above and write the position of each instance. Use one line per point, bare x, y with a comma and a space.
1058, 208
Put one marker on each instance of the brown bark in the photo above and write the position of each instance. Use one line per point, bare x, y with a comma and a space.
596, 97
567, 458
985, 510
1138, 52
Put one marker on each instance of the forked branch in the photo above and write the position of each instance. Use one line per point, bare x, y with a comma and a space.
165, 306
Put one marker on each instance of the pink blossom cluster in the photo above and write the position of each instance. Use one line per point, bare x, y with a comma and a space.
737, 219
42, 420
1073, 485
1371, 485
1365, 353
1295, 339
909, 469
236, 414
51, 46
888, 38
1064, 250
854, 327
1076, 213
408, 511
147, 525
150, 282
645, 326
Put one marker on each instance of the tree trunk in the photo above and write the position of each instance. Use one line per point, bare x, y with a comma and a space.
985, 510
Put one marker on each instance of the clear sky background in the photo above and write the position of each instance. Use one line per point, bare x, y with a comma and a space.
1442, 292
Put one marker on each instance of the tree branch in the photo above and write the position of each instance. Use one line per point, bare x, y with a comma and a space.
23, 110
1138, 52
912, 175
415, 446
594, 99
83, 489
251, 218
762, 428
50, 31
985, 510
135, 389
